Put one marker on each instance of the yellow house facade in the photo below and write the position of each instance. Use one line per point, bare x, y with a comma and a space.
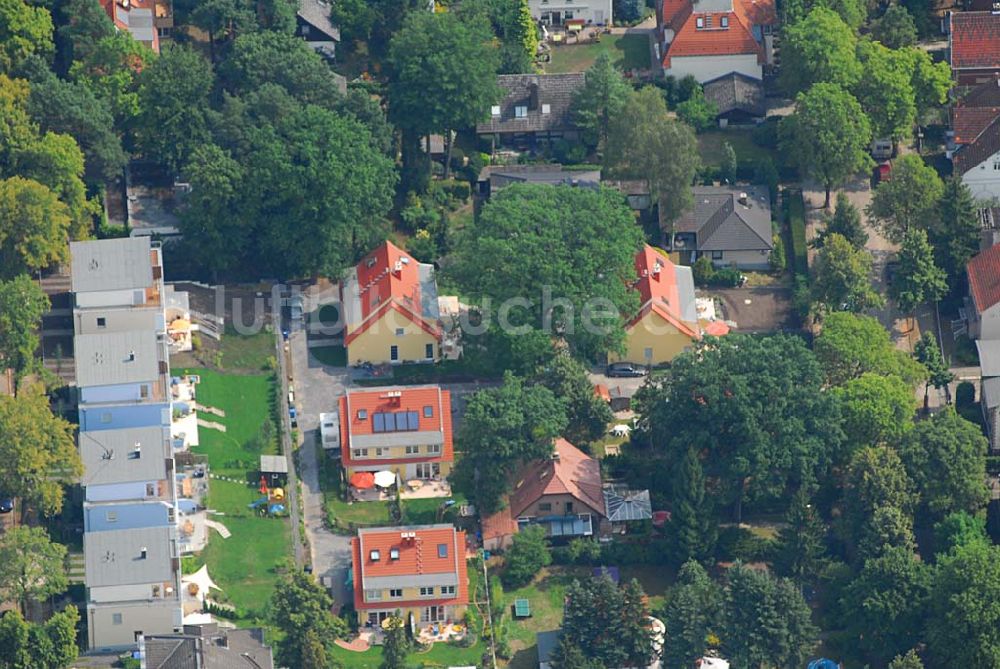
390, 309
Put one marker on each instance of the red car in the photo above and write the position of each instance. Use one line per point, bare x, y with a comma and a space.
882, 172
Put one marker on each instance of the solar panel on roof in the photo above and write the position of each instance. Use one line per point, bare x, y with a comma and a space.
378, 422
412, 420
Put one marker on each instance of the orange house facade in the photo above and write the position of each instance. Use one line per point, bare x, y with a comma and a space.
417, 573
406, 430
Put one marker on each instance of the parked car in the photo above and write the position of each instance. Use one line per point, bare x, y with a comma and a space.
624, 370
882, 172
6, 504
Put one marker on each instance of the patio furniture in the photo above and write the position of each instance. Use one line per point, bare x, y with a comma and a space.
414, 484
522, 608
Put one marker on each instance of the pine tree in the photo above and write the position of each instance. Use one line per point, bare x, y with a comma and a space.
955, 234
313, 652
800, 543
928, 353
692, 533
846, 222
918, 279
634, 629
694, 612
396, 645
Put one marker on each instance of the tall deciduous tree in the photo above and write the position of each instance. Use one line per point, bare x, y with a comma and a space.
850, 345
503, 428
963, 628
909, 661
828, 136
32, 567
22, 305
957, 530
645, 143
527, 555
300, 607
34, 227
946, 457
692, 614
842, 281
819, 49
266, 57
513, 26
931, 80
889, 527
49, 645
896, 28
110, 69
25, 31
886, 604
918, 279
767, 621
602, 97
908, 200
561, 261
877, 409
72, 108
885, 90
173, 102
442, 75
37, 451
875, 478
587, 413
754, 407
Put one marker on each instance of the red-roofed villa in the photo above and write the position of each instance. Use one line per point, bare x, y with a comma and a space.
974, 45
709, 39
983, 272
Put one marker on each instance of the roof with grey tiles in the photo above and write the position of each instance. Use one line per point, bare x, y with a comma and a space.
721, 223
534, 91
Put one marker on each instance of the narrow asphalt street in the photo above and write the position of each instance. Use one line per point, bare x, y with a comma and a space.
317, 388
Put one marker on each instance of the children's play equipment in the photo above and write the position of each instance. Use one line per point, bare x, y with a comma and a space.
272, 502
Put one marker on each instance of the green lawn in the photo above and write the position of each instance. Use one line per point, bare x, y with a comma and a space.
711, 143
244, 564
335, 356
247, 352
247, 401
627, 52
440, 655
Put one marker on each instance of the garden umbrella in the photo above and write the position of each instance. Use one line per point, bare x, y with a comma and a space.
385, 478
363, 480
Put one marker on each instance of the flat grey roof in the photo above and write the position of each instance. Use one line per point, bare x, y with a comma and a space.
274, 464
105, 455
115, 558
115, 357
111, 264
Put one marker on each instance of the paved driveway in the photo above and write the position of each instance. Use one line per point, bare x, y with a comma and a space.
317, 388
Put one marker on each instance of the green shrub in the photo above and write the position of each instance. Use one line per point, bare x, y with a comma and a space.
965, 395
737, 543
567, 152
703, 271
795, 212
777, 257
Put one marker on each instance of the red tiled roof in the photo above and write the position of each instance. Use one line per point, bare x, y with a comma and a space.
602, 391
389, 278
573, 473
657, 286
981, 148
975, 40
984, 278
392, 399
500, 524
418, 556
737, 38
973, 113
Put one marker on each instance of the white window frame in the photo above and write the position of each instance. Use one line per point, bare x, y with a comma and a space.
521, 111
495, 111
373, 595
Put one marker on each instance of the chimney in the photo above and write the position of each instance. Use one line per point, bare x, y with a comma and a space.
142, 553
656, 270
533, 95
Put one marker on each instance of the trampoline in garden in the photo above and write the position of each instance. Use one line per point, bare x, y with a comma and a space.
522, 608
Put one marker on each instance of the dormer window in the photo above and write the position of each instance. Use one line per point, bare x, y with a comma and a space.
374, 556
495, 110
699, 23
521, 111
362, 414
724, 21
393, 553
546, 109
